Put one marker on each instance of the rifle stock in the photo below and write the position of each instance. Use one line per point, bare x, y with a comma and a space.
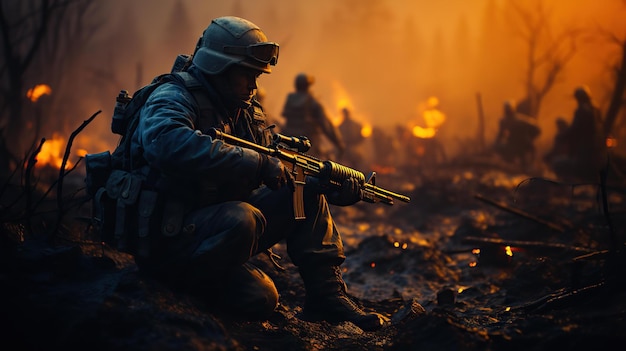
330, 174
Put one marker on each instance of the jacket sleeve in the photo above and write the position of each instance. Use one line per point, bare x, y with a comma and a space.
171, 144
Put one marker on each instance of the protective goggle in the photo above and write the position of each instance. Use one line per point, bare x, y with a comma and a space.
262, 52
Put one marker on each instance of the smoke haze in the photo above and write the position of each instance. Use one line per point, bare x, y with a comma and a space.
385, 58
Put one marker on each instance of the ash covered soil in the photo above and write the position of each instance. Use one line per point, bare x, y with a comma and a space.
479, 260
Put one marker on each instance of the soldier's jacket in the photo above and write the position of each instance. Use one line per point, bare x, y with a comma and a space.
171, 138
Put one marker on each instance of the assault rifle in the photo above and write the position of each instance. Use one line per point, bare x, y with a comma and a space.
330, 174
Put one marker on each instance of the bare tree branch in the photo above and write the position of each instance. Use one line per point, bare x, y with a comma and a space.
546, 55
61, 209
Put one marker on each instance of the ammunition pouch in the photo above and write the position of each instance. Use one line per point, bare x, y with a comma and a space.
131, 215
97, 171
124, 188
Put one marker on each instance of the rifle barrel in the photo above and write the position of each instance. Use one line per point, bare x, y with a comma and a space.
387, 193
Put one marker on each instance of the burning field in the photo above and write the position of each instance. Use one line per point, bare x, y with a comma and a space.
484, 257
481, 259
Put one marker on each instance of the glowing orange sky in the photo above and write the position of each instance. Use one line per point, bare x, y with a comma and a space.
370, 61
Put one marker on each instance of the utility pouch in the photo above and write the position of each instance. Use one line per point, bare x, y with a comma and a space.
260, 121
97, 171
124, 188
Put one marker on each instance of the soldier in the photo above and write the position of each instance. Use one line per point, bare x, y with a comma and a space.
305, 116
560, 146
516, 136
226, 204
584, 141
351, 132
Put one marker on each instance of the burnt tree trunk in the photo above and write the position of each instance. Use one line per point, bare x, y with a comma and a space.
617, 99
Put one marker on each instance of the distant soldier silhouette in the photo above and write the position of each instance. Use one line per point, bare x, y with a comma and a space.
560, 147
305, 116
352, 134
584, 140
516, 136
387, 150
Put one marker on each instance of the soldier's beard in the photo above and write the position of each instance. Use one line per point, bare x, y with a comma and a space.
231, 99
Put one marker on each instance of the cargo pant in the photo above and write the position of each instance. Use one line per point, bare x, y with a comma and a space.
210, 256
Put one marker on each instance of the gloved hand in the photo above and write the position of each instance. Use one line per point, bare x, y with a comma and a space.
348, 194
274, 174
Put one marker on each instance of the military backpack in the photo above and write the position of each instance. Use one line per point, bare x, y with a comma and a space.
125, 210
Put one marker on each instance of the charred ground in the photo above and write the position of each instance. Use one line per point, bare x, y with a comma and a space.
562, 285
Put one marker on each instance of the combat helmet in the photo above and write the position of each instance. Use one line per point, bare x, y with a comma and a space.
303, 81
582, 93
232, 40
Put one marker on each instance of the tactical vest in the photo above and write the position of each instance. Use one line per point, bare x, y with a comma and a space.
130, 205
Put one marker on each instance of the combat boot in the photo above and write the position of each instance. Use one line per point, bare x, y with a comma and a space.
327, 300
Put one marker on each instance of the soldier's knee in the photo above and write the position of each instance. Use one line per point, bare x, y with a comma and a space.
235, 240
250, 293
248, 222
243, 213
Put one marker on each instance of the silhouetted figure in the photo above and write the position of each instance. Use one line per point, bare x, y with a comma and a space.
560, 147
584, 141
352, 134
516, 136
385, 151
402, 148
305, 116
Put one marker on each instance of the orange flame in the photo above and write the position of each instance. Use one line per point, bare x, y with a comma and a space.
52, 153
343, 101
611, 142
81, 152
424, 133
433, 118
341, 96
366, 131
38, 91
508, 251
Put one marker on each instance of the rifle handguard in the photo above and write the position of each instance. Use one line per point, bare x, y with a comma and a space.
337, 173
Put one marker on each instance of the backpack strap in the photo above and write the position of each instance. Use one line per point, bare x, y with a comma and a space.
197, 90
205, 107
